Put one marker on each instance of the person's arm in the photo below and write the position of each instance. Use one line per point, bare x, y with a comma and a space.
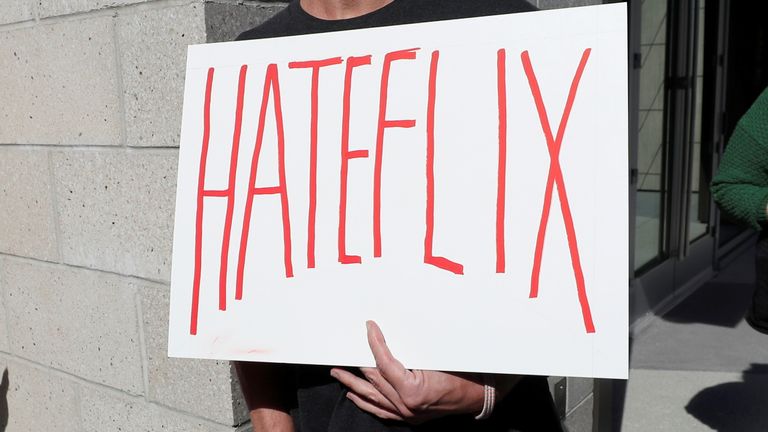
391, 392
740, 187
268, 394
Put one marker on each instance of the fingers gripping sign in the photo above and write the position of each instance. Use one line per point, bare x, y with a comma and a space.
392, 392
367, 395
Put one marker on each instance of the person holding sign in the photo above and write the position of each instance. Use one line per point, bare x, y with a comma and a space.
740, 188
389, 396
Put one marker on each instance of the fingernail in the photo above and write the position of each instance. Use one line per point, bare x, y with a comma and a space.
368, 325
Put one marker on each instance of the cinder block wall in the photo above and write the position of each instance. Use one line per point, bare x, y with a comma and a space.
90, 103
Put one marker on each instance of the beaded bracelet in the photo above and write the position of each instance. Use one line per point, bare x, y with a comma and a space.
489, 398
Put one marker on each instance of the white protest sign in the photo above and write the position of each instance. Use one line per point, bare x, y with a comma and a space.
462, 183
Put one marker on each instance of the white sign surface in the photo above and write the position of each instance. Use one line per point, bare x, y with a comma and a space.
462, 183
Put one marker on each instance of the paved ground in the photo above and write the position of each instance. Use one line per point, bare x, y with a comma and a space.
701, 367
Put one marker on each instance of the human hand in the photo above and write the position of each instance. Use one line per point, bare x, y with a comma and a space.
392, 392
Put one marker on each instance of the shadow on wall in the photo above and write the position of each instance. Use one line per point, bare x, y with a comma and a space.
735, 406
4, 384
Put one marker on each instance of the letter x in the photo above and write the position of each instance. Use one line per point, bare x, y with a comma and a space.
555, 177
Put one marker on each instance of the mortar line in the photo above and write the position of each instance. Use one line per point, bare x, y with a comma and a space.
113, 10
35, 11
62, 374
121, 394
25, 23
86, 147
133, 278
96, 13
583, 401
579, 402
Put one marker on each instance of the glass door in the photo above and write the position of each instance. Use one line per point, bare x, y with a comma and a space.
650, 175
650, 179
675, 113
699, 208
678, 68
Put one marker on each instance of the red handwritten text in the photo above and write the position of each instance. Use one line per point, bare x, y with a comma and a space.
271, 94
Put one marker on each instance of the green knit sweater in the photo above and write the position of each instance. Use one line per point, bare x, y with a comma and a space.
740, 187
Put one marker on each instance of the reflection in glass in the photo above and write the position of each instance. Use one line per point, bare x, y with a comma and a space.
698, 211
651, 149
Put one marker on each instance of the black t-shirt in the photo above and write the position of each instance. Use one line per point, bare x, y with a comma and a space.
320, 404
293, 20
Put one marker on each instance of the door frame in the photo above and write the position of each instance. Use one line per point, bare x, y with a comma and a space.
662, 285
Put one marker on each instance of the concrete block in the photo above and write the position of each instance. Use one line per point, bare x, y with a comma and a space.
154, 52
108, 412
13, 11
245, 427
224, 22
116, 210
37, 400
580, 419
62, 79
27, 221
48, 8
558, 389
578, 390
5, 346
74, 320
205, 387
